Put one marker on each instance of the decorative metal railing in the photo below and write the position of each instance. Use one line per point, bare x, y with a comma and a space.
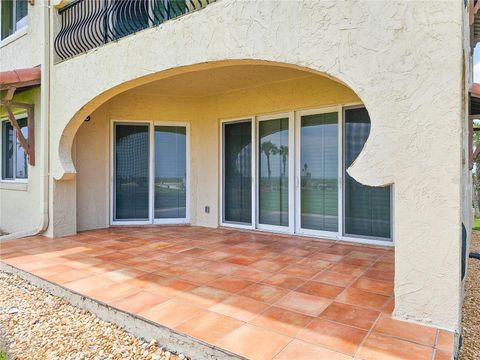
87, 24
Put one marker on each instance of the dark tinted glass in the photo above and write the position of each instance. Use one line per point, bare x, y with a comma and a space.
131, 172
21, 10
367, 209
21, 157
238, 172
7, 150
7, 22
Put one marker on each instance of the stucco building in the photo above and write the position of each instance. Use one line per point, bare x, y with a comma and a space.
344, 121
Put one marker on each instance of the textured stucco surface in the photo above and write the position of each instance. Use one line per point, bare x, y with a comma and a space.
25, 51
402, 58
92, 142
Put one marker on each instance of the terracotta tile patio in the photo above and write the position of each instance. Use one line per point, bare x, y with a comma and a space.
259, 295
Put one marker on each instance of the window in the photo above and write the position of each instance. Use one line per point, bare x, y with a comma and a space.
14, 16
367, 208
14, 159
237, 172
150, 173
288, 173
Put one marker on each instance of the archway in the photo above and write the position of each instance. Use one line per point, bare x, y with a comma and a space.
66, 170
206, 101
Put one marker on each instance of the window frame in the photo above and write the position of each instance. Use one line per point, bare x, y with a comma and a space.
291, 179
346, 234
17, 32
19, 116
294, 227
113, 221
223, 122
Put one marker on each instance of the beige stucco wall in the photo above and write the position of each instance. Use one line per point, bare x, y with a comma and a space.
19, 202
92, 143
25, 50
402, 58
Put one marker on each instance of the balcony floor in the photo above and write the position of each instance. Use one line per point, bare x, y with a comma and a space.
259, 295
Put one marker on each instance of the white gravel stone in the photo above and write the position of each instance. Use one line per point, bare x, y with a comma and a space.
36, 325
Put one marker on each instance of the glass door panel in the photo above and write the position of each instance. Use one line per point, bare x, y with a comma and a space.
170, 169
237, 176
367, 209
319, 172
131, 172
273, 172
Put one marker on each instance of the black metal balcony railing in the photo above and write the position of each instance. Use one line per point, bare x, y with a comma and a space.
87, 24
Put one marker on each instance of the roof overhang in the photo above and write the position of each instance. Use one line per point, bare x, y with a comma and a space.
20, 78
475, 99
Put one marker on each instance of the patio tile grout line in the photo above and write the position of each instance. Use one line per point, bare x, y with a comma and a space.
294, 337
261, 281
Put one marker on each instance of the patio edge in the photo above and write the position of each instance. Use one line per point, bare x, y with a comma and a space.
135, 325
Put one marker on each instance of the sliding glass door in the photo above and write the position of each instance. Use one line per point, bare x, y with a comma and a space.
170, 173
318, 171
150, 173
131, 197
287, 173
273, 173
237, 172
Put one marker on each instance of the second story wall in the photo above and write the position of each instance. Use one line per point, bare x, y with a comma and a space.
23, 48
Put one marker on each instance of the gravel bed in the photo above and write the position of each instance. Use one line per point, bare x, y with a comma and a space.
470, 349
37, 325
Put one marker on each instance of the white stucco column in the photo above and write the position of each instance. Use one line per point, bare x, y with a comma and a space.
63, 205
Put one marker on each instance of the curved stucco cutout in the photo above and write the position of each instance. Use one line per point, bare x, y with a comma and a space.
67, 170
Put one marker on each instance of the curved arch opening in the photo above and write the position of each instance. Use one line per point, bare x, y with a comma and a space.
292, 132
66, 169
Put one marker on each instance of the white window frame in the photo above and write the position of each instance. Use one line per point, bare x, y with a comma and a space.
298, 197
294, 178
113, 221
244, 119
15, 144
151, 183
267, 227
186, 219
18, 30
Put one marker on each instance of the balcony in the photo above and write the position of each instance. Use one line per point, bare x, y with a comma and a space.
85, 25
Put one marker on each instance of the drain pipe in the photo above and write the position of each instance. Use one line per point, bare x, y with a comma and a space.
44, 139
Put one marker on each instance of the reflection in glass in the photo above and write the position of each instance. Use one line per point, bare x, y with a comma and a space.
367, 209
21, 156
14, 158
319, 172
131, 172
7, 150
273, 172
170, 172
237, 166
